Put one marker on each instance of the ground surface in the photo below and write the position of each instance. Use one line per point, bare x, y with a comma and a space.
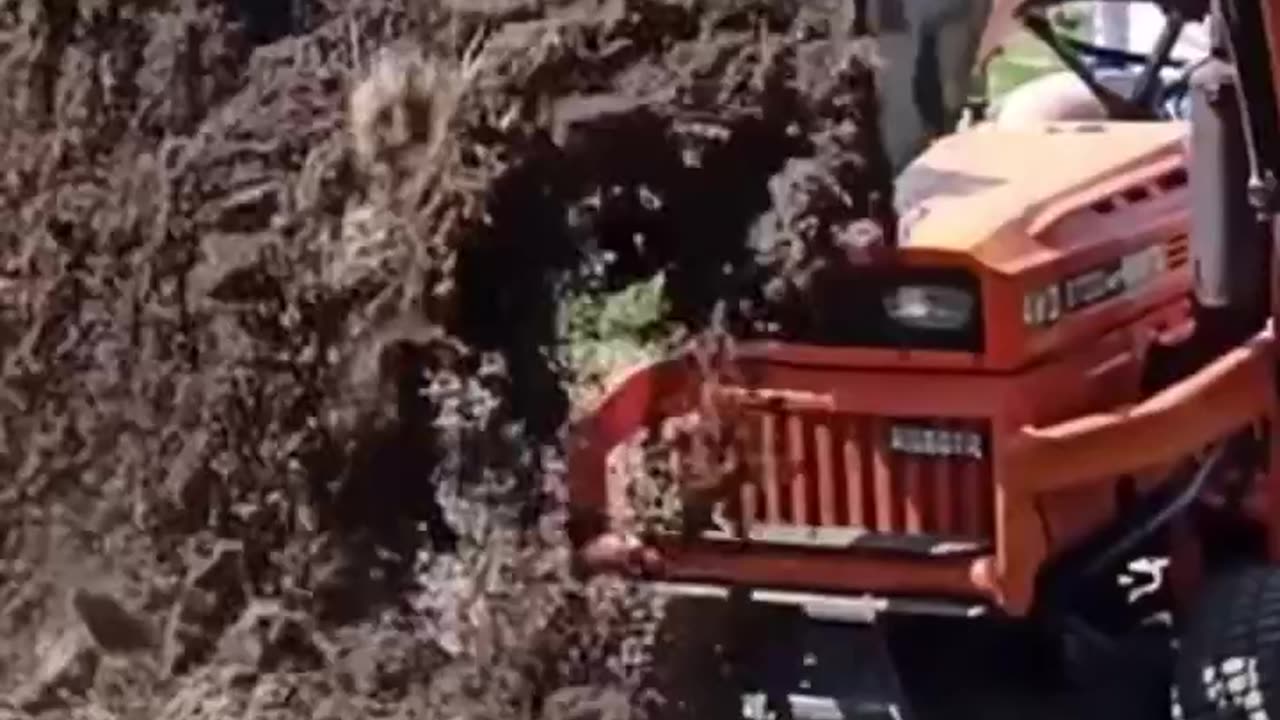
950, 670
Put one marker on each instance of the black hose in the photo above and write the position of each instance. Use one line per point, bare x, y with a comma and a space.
1164, 515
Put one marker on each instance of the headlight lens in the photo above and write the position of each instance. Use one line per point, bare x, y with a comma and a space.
930, 307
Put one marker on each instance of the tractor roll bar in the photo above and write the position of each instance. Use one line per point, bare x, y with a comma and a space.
1224, 397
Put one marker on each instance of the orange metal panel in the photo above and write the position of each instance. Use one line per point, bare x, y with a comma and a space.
949, 475
968, 516
796, 476
912, 493
824, 452
1229, 394
1271, 16
881, 481
853, 452
772, 473
832, 572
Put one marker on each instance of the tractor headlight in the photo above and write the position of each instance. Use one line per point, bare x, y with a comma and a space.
930, 307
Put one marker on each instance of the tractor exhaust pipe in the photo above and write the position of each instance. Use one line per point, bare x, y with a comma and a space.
1228, 256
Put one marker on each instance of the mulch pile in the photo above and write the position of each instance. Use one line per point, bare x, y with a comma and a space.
280, 292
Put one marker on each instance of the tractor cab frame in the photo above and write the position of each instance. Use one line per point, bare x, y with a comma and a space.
1155, 81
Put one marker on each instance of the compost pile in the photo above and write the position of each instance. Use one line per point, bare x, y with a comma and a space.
282, 325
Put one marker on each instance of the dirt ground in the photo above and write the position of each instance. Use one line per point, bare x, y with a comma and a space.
282, 298
946, 669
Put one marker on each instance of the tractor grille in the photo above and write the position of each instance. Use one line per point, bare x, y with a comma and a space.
821, 474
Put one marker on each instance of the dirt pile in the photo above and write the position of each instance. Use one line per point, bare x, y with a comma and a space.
282, 320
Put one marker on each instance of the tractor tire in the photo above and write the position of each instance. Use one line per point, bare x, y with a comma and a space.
1228, 663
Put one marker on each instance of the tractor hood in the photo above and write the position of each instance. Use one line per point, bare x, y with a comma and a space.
989, 196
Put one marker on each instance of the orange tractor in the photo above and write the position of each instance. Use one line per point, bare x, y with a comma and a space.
1061, 376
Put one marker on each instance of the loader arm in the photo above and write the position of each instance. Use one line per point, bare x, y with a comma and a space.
1253, 30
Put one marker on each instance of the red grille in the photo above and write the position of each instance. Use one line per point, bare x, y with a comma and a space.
819, 469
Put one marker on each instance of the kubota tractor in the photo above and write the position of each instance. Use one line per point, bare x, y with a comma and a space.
1058, 380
